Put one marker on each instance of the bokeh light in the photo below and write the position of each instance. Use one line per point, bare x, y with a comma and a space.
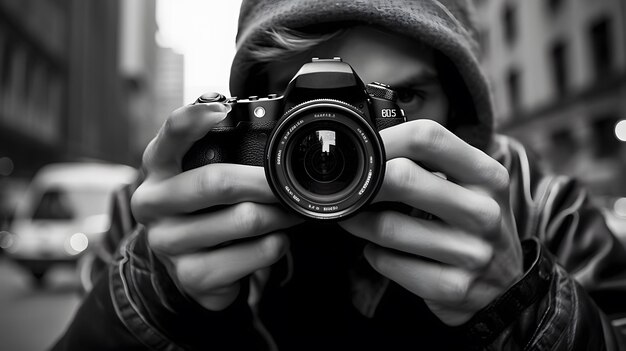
620, 130
79, 242
620, 207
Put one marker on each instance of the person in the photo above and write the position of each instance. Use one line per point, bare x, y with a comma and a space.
515, 258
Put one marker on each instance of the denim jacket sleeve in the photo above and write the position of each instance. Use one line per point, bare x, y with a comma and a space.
574, 287
136, 305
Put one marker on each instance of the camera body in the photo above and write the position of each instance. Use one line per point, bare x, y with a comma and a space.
318, 142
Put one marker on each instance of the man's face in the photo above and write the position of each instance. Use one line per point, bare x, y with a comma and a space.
377, 56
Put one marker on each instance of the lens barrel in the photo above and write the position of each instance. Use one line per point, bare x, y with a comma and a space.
324, 160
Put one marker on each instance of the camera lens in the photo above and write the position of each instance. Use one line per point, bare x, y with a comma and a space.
324, 160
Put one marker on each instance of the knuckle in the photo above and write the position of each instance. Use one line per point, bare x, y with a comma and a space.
190, 276
489, 215
140, 204
457, 289
214, 180
169, 127
271, 248
248, 217
162, 240
428, 135
497, 175
158, 240
502, 178
480, 256
173, 126
401, 173
386, 227
484, 256
379, 261
148, 154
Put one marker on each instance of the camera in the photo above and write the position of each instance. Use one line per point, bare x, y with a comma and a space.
318, 142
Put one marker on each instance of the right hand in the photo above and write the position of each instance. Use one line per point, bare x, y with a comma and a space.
207, 254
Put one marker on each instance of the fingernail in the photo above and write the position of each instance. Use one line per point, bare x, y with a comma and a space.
216, 107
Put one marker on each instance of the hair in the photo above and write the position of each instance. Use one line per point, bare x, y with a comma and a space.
281, 43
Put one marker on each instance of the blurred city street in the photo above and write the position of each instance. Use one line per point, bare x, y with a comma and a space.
32, 318
85, 85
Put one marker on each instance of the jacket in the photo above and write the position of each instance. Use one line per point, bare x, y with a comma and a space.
570, 297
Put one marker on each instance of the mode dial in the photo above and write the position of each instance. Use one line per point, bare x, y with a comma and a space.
382, 91
210, 97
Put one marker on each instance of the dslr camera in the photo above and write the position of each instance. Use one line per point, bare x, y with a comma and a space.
318, 142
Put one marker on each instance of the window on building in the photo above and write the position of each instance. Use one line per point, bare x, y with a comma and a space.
513, 89
558, 62
5, 60
509, 23
606, 144
31, 62
600, 46
554, 5
563, 139
563, 147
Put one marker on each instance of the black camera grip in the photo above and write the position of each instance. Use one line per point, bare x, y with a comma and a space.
244, 144
383, 123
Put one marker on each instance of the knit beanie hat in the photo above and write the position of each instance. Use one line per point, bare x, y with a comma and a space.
444, 25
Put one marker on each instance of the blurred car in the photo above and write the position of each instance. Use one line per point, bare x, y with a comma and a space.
11, 191
63, 212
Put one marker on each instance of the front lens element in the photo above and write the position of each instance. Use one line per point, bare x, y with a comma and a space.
324, 160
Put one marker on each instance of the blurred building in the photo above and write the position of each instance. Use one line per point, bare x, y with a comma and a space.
153, 75
558, 74
81, 79
34, 82
168, 91
60, 91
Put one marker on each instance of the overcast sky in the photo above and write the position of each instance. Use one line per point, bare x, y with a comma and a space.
204, 31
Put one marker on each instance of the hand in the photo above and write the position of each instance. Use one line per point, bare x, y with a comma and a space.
207, 254
457, 264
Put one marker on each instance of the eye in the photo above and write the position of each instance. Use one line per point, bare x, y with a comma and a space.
410, 96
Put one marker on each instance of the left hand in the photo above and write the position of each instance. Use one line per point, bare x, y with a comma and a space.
457, 264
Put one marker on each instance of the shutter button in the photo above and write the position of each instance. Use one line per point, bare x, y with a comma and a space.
210, 97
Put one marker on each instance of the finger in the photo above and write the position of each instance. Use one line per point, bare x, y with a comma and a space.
202, 187
192, 233
427, 279
426, 238
220, 298
186, 125
428, 142
212, 272
407, 182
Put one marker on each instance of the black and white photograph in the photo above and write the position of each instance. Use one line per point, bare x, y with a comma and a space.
312, 175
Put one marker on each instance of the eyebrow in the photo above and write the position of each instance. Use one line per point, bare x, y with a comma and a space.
420, 78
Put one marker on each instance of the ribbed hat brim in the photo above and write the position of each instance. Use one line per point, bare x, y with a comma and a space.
445, 26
